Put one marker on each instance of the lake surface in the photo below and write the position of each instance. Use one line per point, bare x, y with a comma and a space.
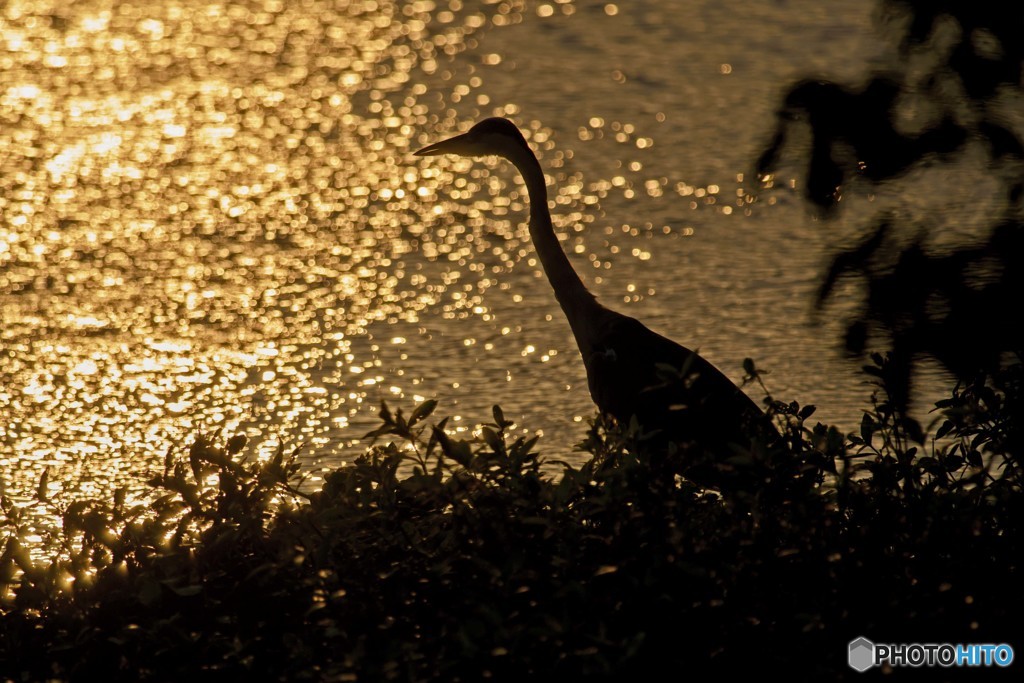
211, 219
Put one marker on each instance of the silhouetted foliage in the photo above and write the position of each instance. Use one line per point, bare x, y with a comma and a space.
958, 65
987, 53
854, 131
435, 557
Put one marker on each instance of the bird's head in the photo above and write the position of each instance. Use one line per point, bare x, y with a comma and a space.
494, 136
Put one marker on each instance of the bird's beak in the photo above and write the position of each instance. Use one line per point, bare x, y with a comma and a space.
455, 145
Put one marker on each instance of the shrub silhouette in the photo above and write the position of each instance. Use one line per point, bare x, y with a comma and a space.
434, 557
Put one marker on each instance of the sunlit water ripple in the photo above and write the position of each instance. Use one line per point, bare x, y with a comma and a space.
211, 218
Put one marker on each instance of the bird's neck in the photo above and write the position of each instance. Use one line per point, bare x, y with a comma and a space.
576, 301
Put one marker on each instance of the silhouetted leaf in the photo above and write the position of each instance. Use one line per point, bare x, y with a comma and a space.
499, 417
42, 489
236, 443
432, 440
974, 458
422, 411
385, 414
491, 438
456, 449
867, 426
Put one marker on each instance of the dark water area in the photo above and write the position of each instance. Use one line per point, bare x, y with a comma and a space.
211, 219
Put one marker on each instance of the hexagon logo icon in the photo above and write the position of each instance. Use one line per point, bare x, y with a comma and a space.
862, 654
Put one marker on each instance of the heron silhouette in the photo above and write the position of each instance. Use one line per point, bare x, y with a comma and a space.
664, 391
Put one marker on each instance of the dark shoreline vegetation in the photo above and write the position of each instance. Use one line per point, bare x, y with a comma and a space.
478, 565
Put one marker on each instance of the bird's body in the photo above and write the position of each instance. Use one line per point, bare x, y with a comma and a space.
674, 394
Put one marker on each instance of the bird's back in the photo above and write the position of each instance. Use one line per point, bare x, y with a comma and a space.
671, 390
